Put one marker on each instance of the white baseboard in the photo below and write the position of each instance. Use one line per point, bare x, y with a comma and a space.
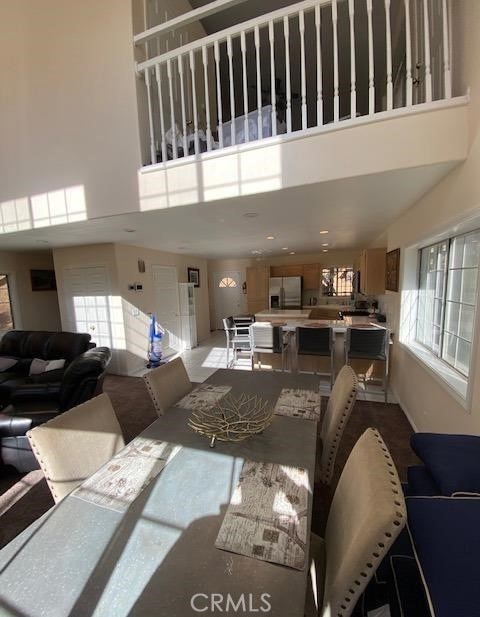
404, 408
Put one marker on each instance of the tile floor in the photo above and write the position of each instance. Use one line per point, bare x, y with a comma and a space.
211, 355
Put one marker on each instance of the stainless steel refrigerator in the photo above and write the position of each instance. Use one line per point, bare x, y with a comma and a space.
285, 292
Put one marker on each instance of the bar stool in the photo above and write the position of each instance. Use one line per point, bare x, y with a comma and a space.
317, 342
266, 338
238, 337
369, 344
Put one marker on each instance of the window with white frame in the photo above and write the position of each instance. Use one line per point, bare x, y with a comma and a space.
337, 281
447, 298
6, 312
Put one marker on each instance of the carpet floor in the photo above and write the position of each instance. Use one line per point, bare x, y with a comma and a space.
23, 498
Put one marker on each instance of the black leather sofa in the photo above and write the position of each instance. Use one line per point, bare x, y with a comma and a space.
24, 345
35, 403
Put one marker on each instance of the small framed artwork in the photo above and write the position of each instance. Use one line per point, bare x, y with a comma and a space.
194, 276
43, 280
392, 271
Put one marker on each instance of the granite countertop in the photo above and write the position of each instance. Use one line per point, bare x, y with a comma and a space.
284, 313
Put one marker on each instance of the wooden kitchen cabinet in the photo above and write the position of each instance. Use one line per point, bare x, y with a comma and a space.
291, 270
372, 271
257, 288
311, 276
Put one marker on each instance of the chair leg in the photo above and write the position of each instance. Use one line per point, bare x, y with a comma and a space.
332, 371
385, 380
228, 354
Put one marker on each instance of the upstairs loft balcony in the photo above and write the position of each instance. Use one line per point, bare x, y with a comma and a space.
307, 69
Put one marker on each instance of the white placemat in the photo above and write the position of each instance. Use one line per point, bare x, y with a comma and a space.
267, 515
204, 397
118, 483
297, 403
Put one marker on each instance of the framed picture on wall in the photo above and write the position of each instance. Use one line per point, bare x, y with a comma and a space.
194, 276
392, 270
43, 280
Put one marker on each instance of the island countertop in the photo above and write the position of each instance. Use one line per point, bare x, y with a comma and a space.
283, 314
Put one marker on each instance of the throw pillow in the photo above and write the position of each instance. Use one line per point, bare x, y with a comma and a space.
39, 366
6, 363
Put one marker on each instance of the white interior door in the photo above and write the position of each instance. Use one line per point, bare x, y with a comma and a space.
227, 295
91, 308
167, 306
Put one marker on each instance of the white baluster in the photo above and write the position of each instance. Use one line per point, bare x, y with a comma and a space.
408, 55
207, 97
259, 82
428, 61
388, 35
232, 93
446, 53
160, 107
336, 99
184, 115
301, 27
194, 102
319, 66
286, 33
153, 151
271, 37
216, 51
371, 68
172, 110
353, 77
243, 47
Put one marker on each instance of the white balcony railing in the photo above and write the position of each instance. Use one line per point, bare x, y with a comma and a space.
311, 64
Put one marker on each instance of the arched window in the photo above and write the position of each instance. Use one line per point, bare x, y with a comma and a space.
227, 282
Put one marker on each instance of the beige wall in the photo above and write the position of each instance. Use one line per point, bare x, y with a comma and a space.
121, 262
430, 405
332, 258
68, 116
33, 310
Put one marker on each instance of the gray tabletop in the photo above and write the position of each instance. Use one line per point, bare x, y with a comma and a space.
80, 559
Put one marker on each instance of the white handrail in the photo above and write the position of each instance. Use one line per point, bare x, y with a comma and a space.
223, 35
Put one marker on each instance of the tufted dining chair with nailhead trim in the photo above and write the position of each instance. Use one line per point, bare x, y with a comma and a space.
366, 516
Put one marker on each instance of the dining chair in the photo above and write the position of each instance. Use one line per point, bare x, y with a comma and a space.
75, 444
266, 338
369, 344
317, 342
339, 408
366, 516
238, 337
167, 384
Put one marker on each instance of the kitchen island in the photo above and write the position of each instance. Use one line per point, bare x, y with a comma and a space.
292, 319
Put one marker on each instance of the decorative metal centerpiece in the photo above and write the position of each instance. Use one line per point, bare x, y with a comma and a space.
233, 418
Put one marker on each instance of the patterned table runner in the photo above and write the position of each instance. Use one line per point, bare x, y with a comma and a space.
299, 404
118, 483
267, 515
203, 397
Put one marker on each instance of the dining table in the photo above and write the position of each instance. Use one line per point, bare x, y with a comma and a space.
158, 554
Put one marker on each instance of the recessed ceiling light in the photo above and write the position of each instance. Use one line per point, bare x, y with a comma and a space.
285, 248
325, 244
130, 231
325, 251
250, 215
270, 237
256, 252
324, 231
292, 252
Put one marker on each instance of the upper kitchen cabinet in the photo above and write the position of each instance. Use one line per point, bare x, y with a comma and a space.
290, 270
311, 276
257, 288
372, 271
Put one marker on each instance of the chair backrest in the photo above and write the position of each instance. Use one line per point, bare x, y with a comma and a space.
317, 341
370, 343
228, 324
167, 384
265, 336
75, 444
367, 514
340, 404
